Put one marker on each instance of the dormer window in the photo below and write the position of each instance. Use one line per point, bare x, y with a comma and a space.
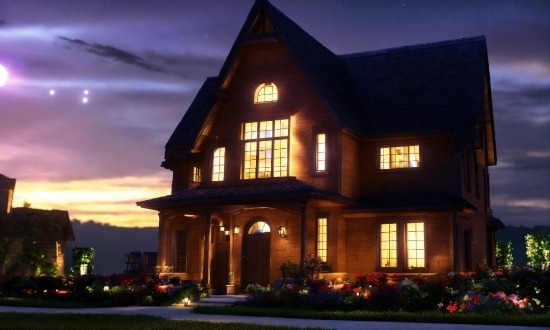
266, 92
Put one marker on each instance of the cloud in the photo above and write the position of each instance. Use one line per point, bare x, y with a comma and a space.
114, 53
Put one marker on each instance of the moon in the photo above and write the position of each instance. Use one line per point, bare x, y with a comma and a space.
3, 75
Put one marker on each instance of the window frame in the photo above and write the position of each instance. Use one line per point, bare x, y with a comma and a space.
218, 165
181, 232
321, 236
402, 244
386, 164
264, 148
273, 95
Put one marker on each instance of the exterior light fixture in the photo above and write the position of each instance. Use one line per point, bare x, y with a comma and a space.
281, 231
236, 230
186, 301
222, 228
227, 233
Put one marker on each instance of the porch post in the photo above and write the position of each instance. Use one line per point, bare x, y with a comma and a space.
206, 254
303, 238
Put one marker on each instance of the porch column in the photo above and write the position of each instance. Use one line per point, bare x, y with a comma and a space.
206, 254
303, 238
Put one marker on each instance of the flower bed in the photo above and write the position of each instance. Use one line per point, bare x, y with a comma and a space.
97, 290
516, 290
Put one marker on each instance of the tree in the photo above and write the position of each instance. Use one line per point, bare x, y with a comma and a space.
504, 254
538, 250
82, 261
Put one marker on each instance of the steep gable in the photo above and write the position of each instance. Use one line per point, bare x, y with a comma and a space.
325, 70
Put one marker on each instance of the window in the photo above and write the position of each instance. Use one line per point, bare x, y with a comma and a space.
259, 227
388, 245
219, 163
321, 154
399, 157
415, 245
181, 251
266, 93
265, 149
322, 235
403, 254
196, 174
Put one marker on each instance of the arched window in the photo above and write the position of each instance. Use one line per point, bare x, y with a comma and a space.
266, 92
259, 227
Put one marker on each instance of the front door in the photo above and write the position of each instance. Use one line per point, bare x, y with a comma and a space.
256, 256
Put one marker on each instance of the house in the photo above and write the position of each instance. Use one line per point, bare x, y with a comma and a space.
374, 161
31, 240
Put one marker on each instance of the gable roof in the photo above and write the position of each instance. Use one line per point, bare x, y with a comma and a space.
430, 87
47, 225
435, 87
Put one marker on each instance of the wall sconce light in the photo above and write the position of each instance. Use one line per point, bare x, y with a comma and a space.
236, 230
222, 228
227, 233
282, 231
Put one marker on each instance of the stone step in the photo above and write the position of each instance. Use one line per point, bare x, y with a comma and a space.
220, 300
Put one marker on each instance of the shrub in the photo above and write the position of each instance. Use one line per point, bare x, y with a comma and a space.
504, 255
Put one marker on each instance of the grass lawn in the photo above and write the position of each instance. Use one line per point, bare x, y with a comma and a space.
539, 320
110, 321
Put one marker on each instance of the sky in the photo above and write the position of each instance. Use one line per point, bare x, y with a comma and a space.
96, 88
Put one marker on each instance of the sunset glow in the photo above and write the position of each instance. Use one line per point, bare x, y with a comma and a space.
101, 200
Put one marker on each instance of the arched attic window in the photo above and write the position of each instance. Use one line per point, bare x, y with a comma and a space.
266, 92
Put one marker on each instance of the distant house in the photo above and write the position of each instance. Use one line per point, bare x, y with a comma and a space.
31, 239
374, 161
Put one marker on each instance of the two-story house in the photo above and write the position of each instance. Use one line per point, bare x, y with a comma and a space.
372, 161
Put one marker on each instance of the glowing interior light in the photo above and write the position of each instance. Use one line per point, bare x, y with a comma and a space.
3, 75
52, 92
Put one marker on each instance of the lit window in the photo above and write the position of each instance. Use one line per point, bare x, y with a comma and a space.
388, 245
196, 174
265, 149
399, 157
322, 235
259, 227
219, 163
415, 245
321, 164
266, 93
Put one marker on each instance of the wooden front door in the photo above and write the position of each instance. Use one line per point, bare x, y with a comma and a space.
256, 258
220, 261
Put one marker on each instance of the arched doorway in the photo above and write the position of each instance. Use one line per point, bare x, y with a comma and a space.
256, 253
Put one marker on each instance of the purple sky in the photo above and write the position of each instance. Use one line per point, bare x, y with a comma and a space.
142, 62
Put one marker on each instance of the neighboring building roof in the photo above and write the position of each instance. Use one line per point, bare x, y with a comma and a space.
48, 225
6, 183
289, 188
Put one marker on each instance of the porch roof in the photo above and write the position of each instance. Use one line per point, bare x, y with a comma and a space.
253, 192
411, 202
